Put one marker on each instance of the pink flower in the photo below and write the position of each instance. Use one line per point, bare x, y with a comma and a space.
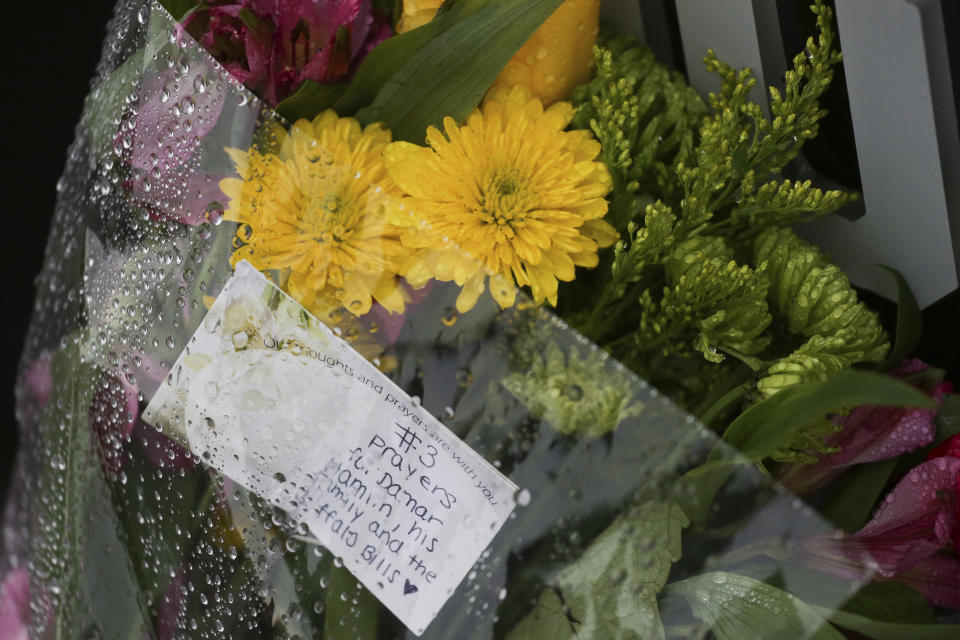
163, 145
33, 390
871, 433
904, 540
113, 412
15, 605
172, 607
160, 450
38, 381
157, 447
273, 46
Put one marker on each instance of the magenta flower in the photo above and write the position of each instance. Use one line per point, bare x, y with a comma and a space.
272, 46
871, 433
904, 540
15, 605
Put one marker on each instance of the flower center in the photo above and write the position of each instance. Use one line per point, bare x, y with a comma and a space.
327, 217
503, 198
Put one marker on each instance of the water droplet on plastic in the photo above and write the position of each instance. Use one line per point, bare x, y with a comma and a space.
214, 213
522, 497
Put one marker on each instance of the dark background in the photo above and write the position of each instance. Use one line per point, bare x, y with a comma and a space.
50, 55
50, 51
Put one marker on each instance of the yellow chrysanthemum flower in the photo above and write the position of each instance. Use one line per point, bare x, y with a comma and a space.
317, 211
556, 58
509, 194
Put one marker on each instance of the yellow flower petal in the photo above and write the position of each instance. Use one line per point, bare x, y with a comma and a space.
320, 208
503, 290
470, 293
510, 195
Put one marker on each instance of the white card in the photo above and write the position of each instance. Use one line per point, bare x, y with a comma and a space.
270, 397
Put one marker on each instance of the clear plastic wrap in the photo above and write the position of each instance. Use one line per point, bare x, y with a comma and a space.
130, 531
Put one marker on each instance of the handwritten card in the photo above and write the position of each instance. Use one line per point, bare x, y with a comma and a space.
270, 397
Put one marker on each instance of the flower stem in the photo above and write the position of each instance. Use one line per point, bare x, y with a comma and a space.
724, 402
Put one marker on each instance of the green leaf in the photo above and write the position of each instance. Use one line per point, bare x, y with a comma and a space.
392, 54
890, 602
768, 425
160, 517
853, 502
879, 610
178, 8
309, 100
909, 321
547, 620
355, 615
879, 630
890, 611
697, 488
948, 419
105, 105
611, 591
448, 75
738, 607
65, 473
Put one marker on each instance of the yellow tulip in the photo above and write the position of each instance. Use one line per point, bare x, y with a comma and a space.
556, 58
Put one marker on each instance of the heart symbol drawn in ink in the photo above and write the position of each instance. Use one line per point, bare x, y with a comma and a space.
409, 588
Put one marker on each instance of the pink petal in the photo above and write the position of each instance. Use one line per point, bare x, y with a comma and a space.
163, 145
172, 607
291, 41
927, 493
161, 451
38, 380
915, 521
870, 433
937, 578
114, 410
15, 605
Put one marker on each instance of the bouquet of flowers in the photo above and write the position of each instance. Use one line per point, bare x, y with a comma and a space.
466, 319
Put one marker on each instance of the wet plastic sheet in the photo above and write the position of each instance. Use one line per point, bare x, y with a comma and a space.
127, 532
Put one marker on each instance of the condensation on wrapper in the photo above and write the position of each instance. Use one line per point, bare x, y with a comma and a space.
274, 400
